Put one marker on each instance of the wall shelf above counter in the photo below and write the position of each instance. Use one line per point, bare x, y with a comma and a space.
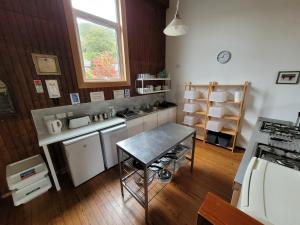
152, 92
152, 79
149, 84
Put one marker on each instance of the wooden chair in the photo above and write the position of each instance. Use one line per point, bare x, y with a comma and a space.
216, 211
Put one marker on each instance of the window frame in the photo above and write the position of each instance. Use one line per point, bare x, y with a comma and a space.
121, 32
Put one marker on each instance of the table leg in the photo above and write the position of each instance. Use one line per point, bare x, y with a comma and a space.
193, 152
146, 193
51, 167
121, 170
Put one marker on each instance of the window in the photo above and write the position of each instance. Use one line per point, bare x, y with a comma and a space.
98, 39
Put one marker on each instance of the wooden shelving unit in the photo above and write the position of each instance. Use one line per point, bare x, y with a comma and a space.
204, 90
234, 119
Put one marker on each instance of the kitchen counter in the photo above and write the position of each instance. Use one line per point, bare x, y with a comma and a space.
150, 145
46, 139
257, 137
145, 113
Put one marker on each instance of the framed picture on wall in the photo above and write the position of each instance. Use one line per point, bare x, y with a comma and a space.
46, 64
288, 77
7, 108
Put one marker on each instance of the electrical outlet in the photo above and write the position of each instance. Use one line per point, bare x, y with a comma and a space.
61, 116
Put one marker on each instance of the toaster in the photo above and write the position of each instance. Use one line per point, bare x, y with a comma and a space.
78, 121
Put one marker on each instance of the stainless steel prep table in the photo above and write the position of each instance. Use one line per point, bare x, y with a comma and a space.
147, 147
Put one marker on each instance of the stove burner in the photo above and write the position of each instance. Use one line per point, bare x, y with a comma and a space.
282, 130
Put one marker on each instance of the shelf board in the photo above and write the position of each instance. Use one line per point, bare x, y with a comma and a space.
198, 85
229, 148
231, 117
200, 137
143, 79
227, 117
228, 85
203, 113
228, 131
152, 92
200, 125
227, 102
201, 99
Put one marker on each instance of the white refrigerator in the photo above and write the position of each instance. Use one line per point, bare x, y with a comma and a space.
84, 157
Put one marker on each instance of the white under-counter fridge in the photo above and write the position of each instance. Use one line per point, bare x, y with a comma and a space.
84, 157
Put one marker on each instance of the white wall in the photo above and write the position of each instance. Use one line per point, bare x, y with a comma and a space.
263, 37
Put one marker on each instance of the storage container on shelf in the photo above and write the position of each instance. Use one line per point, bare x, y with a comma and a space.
191, 120
218, 96
25, 172
224, 139
213, 125
31, 191
191, 107
191, 94
216, 111
212, 137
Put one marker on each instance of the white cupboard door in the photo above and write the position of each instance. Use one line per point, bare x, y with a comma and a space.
150, 121
84, 156
172, 115
135, 126
162, 117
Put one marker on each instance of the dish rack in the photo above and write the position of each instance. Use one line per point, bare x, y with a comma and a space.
144, 183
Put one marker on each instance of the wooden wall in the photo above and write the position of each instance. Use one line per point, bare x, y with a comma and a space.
39, 26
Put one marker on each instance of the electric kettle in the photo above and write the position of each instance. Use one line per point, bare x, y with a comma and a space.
54, 126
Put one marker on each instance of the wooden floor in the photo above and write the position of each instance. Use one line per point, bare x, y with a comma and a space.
99, 200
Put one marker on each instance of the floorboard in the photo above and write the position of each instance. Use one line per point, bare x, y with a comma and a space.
99, 201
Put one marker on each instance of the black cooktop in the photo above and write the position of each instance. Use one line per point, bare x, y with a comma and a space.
277, 155
280, 129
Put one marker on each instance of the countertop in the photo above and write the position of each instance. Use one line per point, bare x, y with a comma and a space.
257, 137
145, 113
46, 139
150, 145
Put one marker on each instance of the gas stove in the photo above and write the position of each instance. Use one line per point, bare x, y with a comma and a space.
283, 144
278, 155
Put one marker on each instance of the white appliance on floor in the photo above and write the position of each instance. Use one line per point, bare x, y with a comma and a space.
27, 179
84, 157
270, 193
109, 138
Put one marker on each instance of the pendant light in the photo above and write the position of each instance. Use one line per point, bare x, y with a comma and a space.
176, 27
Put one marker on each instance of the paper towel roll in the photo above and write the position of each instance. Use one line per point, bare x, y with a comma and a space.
237, 96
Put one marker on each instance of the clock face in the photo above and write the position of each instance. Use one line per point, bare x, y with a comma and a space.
224, 57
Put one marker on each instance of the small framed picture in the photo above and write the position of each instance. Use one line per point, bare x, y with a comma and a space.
53, 89
288, 77
46, 64
75, 99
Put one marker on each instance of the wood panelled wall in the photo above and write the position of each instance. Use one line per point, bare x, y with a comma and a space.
39, 26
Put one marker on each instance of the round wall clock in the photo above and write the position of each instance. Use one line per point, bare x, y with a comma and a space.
224, 57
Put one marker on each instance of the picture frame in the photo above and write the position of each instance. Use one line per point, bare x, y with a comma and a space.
7, 101
53, 88
288, 77
46, 64
75, 99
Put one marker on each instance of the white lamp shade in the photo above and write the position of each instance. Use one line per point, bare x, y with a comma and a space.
176, 28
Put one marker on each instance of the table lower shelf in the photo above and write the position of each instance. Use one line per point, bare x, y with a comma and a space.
133, 179
138, 191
